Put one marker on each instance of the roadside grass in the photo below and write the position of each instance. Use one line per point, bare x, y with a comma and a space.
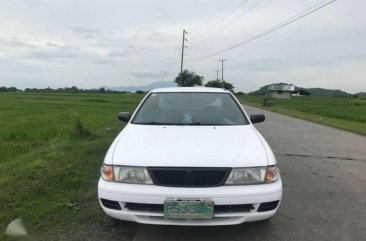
51, 149
345, 113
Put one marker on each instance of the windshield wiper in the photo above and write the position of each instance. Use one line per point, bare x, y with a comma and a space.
199, 124
153, 123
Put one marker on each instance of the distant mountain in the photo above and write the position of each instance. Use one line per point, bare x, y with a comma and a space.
313, 91
327, 92
154, 85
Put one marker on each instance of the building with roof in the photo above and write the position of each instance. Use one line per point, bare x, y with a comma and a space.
281, 91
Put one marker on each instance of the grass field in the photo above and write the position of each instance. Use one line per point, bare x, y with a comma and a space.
341, 112
51, 149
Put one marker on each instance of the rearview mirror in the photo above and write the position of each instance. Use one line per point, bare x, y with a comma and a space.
256, 118
124, 116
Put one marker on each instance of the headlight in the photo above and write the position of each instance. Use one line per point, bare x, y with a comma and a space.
253, 175
136, 175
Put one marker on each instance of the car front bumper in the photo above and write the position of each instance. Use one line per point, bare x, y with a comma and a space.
223, 195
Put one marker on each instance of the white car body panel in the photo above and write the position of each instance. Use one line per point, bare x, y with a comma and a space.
190, 146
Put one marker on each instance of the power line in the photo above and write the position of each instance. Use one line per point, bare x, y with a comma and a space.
196, 51
209, 20
190, 54
268, 31
171, 62
272, 29
229, 24
221, 20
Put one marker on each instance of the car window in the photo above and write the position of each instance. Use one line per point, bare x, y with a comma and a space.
190, 109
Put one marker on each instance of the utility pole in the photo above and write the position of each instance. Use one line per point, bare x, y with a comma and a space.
217, 74
181, 61
222, 72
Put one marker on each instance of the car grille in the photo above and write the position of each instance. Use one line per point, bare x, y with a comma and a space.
233, 208
189, 177
145, 207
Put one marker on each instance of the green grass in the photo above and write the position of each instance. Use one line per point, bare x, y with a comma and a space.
341, 112
51, 149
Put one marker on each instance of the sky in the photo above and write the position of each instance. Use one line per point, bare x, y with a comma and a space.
94, 43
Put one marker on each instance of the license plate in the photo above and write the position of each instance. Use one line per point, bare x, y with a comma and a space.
189, 209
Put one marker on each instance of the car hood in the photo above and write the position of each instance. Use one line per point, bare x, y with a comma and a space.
189, 146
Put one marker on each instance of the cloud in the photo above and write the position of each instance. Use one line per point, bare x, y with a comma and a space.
41, 50
148, 35
33, 3
34, 43
147, 74
131, 49
114, 54
98, 42
59, 54
15, 42
50, 44
86, 32
281, 64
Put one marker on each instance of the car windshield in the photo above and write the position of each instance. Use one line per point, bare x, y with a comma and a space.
190, 109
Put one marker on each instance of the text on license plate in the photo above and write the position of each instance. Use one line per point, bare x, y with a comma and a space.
189, 209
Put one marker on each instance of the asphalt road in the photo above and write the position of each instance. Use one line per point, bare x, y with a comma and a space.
324, 175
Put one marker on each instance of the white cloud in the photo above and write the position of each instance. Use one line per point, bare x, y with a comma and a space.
147, 74
95, 43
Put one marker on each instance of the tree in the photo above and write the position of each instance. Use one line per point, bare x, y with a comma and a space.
304, 92
10, 89
189, 79
218, 84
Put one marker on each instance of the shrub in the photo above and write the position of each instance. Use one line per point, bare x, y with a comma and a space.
267, 101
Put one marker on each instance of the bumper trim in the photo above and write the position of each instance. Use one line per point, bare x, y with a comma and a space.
158, 218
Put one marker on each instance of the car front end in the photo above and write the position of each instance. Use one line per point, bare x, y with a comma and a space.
190, 174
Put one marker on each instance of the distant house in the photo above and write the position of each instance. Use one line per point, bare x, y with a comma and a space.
281, 91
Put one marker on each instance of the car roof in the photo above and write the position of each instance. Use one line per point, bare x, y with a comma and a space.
190, 89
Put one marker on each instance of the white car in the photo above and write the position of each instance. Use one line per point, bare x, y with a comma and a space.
190, 156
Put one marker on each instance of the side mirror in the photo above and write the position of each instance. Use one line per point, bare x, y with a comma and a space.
256, 118
124, 116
